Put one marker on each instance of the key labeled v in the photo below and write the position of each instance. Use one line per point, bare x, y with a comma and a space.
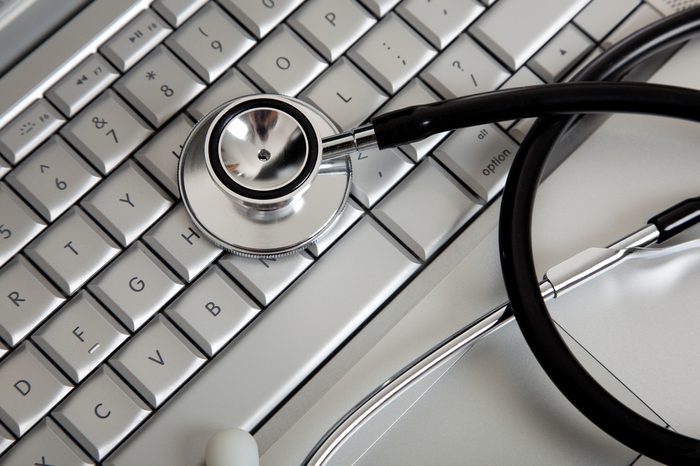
159, 359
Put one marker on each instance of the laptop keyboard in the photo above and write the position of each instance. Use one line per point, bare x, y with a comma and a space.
110, 298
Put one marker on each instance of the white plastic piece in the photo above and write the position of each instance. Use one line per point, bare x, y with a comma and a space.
233, 447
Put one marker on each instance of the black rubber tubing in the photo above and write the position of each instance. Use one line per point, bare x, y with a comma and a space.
517, 204
515, 245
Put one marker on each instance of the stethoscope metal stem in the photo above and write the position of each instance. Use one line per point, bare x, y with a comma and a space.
563, 277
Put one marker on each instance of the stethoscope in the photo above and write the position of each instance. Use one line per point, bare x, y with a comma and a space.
267, 175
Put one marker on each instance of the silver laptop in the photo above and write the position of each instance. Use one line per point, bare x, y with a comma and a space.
126, 338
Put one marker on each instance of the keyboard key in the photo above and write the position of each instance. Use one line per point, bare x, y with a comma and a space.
331, 28
561, 53
228, 87
6, 439
302, 329
260, 16
176, 12
416, 92
83, 84
133, 42
426, 209
521, 128
375, 172
72, 250
210, 42
106, 132
81, 336
127, 203
161, 154
47, 445
440, 20
504, 32
345, 94
348, 218
29, 387
101, 413
28, 130
379, 7
181, 244
601, 16
18, 224
135, 286
265, 279
159, 86
27, 299
157, 360
464, 68
480, 156
642, 16
392, 53
212, 311
282, 63
53, 178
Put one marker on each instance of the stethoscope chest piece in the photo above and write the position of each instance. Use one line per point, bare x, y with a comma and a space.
253, 179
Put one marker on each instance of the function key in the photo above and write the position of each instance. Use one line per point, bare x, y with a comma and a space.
32, 127
83, 84
134, 41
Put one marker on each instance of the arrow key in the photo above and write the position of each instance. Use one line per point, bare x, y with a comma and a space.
561, 54
158, 360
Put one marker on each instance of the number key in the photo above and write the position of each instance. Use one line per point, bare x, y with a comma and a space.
18, 224
210, 42
106, 132
260, 16
159, 86
53, 178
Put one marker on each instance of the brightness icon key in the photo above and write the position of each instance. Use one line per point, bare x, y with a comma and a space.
31, 128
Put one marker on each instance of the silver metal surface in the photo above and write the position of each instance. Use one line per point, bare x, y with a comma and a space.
157, 361
231, 85
53, 178
81, 336
83, 84
127, 203
47, 441
245, 228
101, 412
513, 40
348, 143
161, 154
135, 286
266, 278
391, 53
72, 250
138, 38
210, 42
429, 192
29, 130
212, 310
27, 299
348, 105
333, 30
260, 17
264, 149
464, 68
106, 131
31, 387
467, 336
159, 86
440, 22
19, 224
176, 240
375, 172
283, 63
176, 12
